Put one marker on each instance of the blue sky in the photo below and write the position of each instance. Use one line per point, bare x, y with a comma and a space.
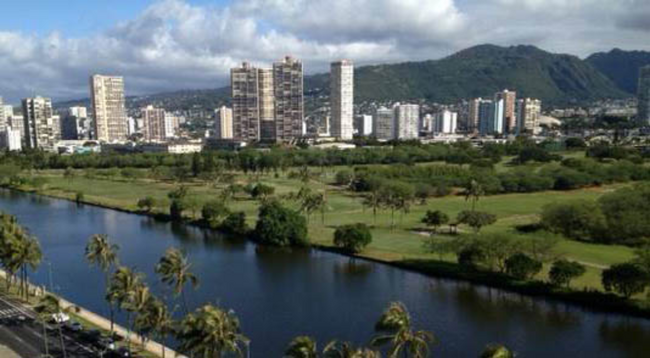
51, 47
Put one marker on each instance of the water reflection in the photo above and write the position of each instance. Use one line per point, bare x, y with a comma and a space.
353, 267
626, 335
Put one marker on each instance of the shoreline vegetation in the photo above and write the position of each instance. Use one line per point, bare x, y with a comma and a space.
589, 299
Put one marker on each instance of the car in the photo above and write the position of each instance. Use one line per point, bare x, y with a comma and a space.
91, 336
105, 344
59, 318
73, 326
122, 352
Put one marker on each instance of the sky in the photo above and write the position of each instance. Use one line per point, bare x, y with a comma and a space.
51, 47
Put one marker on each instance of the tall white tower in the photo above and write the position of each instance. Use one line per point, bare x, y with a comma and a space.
342, 99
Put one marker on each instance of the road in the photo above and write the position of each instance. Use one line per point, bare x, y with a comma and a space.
25, 336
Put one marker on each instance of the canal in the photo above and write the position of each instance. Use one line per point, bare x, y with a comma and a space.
279, 295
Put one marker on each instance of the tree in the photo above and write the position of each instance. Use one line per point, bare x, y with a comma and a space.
302, 347
398, 197
79, 197
312, 202
176, 209
280, 226
435, 219
626, 279
210, 332
394, 328
147, 203
440, 247
156, 319
473, 192
352, 238
522, 267
235, 223
563, 271
69, 174
579, 220
136, 305
496, 351
476, 219
262, 191
373, 200
213, 212
125, 290
174, 270
47, 306
336, 349
102, 253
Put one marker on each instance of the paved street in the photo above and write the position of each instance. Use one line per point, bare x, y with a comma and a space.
22, 334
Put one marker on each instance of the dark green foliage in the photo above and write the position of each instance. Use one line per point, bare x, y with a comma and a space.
522, 267
627, 213
476, 219
578, 220
280, 226
435, 219
626, 279
471, 256
213, 212
79, 197
575, 143
563, 271
344, 177
262, 191
534, 153
235, 223
622, 67
352, 238
176, 209
147, 203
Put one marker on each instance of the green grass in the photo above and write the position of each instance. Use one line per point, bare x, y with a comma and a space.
402, 242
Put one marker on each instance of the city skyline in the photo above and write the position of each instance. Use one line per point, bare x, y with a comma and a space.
168, 45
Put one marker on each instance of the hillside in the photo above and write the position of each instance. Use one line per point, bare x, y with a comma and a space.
622, 67
479, 72
475, 72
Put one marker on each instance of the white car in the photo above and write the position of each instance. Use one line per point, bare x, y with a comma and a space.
60, 318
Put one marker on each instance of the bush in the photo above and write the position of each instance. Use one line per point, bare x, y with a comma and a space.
79, 197
344, 177
579, 220
522, 267
235, 224
147, 203
352, 238
280, 226
470, 257
176, 209
262, 191
626, 279
213, 212
563, 271
476, 219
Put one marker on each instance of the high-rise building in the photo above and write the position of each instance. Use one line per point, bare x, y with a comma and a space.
643, 116
383, 124
40, 124
485, 116
244, 82
109, 111
363, 125
267, 104
75, 124
171, 125
472, 122
153, 121
289, 102
342, 99
446, 122
528, 112
509, 118
223, 123
4, 118
10, 139
407, 119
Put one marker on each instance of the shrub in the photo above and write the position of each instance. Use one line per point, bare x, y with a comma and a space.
476, 219
280, 226
470, 257
79, 197
344, 177
435, 219
147, 203
579, 220
563, 271
522, 267
235, 224
352, 238
213, 212
262, 191
176, 209
626, 279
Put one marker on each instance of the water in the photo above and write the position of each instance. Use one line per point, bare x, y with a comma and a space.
280, 295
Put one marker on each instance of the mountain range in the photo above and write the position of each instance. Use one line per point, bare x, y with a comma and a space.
480, 71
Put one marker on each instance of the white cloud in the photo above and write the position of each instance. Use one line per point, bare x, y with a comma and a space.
173, 45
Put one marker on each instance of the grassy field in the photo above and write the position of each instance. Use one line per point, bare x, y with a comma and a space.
404, 242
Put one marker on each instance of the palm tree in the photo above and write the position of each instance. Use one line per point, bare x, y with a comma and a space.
46, 307
26, 253
302, 347
123, 288
473, 192
374, 201
155, 319
497, 351
101, 253
174, 270
137, 305
345, 350
210, 332
395, 329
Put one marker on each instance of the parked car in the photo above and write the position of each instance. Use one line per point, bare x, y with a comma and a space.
60, 318
122, 352
73, 326
105, 344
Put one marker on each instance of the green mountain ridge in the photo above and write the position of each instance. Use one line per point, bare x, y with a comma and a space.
622, 67
480, 71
